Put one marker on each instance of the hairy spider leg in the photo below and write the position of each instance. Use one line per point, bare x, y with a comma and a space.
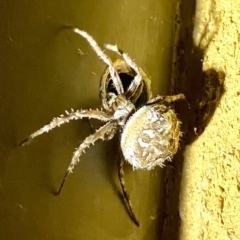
135, 84
106, 132
73, 115
166, 99
114, 75
124, 191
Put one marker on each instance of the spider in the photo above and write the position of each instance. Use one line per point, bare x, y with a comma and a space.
149, 129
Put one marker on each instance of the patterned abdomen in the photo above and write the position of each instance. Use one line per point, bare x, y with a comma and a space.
151, 136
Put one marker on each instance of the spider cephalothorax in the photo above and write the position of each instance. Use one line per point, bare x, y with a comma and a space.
149, 129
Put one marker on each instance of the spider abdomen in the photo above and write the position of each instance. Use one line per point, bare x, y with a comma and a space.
151, 136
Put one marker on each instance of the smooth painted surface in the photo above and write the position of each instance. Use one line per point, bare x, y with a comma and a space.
42, 73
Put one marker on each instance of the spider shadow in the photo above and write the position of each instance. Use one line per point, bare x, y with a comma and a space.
203, 97
203, 91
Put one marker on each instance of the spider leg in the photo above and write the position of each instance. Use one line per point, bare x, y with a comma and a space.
124, 191
106, 132
166, 99
73, 115
137, 79
114, 75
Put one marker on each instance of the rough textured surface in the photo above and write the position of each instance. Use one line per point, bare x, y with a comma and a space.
210, 188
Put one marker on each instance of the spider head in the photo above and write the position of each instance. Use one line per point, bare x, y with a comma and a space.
122, 108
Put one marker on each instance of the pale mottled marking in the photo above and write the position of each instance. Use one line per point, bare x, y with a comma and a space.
149, 135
